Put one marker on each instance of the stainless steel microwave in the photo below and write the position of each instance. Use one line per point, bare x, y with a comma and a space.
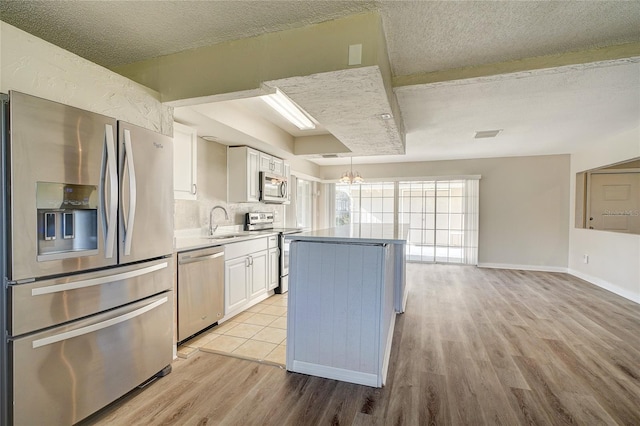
273, 188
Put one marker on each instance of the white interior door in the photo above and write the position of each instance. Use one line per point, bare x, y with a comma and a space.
614, 202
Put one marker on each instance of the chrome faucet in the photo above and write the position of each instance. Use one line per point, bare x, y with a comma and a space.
213, 228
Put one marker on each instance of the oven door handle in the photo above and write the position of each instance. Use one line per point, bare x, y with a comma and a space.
96, 327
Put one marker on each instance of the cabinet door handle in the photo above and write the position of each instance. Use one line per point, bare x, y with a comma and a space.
194, 188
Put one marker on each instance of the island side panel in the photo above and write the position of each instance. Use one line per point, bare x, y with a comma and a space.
356, 312
390, 297
335, 311
303, 315
400, 278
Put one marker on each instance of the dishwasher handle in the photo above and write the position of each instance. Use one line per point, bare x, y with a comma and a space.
184, 260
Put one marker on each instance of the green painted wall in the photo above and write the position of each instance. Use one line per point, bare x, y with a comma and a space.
244, 64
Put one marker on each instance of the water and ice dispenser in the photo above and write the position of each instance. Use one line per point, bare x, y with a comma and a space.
67, 220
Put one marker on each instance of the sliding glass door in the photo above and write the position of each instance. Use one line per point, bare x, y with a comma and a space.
442, 217
365, 203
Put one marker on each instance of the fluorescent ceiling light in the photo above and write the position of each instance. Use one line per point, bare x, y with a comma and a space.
286, 108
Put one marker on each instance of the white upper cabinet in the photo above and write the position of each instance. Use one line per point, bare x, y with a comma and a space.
271, 164
265, 162
185, 162
278, 167
243, 174
244, 165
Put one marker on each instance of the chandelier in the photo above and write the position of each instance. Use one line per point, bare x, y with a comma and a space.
350, 177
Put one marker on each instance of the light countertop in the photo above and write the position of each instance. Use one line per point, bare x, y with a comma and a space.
192, 242
356, 233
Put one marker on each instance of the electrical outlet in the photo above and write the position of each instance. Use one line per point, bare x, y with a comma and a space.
585, 258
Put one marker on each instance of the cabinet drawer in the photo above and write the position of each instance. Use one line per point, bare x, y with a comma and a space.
244, 248
273, 241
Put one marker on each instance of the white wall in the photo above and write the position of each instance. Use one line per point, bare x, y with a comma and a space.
614, 258
212, 191
36, 67
524, 205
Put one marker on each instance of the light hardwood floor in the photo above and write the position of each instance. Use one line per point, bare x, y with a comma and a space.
475, 346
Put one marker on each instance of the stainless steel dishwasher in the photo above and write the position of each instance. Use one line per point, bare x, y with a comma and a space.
200, 290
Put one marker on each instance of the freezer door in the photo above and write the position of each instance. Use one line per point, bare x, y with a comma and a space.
62, 375
146, 193
46, 303
62, 167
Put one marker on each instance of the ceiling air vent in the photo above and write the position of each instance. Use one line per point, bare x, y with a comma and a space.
329, 155
487, 133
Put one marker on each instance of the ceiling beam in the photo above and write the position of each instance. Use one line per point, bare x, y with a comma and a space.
318, 145
608, 53
242, 65
338, 71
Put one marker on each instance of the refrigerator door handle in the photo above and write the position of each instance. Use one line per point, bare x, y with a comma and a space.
99, 326
128, 155
110, 207
97, 281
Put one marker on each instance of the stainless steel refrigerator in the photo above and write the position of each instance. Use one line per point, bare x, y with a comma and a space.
89, 239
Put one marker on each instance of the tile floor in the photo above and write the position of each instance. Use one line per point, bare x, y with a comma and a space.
259, 333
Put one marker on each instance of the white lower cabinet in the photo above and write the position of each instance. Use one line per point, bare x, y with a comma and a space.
258, 272
236, 276
247, 274
243, 174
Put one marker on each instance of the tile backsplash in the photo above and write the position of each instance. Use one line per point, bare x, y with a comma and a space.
195, 214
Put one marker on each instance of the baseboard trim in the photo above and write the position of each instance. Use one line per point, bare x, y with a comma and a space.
634, 297
341, 374
537, 268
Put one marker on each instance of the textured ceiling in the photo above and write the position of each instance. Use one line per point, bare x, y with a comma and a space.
112, 33
540, 112
556, 111
426, 36
422, 36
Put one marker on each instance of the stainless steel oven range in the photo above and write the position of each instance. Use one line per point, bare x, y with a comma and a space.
284, 259
260, 221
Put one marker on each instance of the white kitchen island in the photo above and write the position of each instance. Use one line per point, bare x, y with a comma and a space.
346, 285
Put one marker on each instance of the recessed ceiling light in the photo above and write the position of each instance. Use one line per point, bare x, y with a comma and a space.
385, 116
210, 138
487, 133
